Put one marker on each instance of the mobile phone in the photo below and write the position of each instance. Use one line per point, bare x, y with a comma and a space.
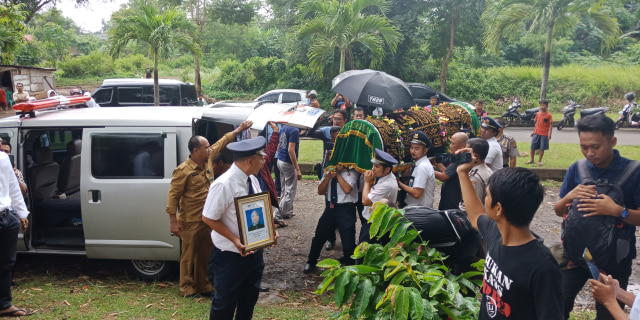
11, 158
595, 272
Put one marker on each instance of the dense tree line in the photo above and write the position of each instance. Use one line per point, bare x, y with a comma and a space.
309, 41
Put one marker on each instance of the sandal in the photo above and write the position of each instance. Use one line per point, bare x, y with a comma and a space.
528, 162
12, 313
539, 164
281, 224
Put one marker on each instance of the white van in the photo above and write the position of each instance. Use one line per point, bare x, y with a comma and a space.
98, 178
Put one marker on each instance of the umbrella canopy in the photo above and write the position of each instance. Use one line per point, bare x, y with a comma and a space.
373, 88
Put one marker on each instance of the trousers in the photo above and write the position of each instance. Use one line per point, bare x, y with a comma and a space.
574, 279
194, 258
342, 216
289, 185
9, 228
237, 282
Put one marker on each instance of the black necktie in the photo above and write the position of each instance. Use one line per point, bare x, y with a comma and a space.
250, 185
334, 191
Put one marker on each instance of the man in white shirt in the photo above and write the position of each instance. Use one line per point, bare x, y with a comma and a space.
237, 274
489, 131
13, 218
379, 183
340, 188
422, 180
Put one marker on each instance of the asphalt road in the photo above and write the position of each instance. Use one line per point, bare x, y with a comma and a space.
626, 136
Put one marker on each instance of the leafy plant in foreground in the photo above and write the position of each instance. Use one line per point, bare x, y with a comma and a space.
404, 279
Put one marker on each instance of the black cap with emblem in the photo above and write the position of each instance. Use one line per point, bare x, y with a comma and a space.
418, 137
488, 122
247, 148
383, 158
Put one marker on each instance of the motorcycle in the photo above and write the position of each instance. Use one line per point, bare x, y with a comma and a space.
569, 112
512, 114
627, 113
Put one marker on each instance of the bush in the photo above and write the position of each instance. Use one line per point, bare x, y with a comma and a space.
132, 65
98, 64
397, 281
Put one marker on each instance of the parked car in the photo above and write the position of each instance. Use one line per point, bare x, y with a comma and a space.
139, 92
291, 97
114, 168
422, 94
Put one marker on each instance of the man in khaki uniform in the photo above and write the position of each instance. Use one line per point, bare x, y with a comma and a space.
189, 188
510, 151
20, 96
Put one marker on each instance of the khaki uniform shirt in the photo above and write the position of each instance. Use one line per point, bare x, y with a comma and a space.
509, 148
20, 96
190, 185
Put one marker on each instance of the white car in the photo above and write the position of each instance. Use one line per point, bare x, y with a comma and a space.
290, 97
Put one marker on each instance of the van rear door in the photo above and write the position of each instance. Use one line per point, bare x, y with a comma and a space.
126, 174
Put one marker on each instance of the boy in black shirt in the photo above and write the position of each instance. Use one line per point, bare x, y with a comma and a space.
521, 278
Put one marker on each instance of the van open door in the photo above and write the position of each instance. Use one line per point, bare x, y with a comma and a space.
10, 135
126, 173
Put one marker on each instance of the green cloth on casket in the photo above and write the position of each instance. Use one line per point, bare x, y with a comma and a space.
475, 122
355, 146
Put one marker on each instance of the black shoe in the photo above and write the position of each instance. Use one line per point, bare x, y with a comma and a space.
209, 294
308, 267
264, 289
330, 245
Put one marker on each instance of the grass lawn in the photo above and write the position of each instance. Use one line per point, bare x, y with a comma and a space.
119, 298
559, 155
562, 155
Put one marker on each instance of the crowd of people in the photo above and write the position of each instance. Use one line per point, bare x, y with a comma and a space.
522, 279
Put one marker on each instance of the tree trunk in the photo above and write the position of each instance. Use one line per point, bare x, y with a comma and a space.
156, 87
447, 58
196, 61
546, 65
342, 58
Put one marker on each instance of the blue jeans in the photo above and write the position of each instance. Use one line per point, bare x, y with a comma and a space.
9, 228
237, 284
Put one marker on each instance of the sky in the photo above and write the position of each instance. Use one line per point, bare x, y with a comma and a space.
90, 17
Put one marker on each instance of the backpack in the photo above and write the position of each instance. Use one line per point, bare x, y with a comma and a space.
608, 238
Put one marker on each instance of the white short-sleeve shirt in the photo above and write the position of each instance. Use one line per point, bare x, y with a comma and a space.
220, 203
351, 177
494, 157
423, 177
386, 188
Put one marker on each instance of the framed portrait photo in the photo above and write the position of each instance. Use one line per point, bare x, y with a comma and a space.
255, 221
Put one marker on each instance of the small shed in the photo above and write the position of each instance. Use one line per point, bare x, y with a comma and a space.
37, 81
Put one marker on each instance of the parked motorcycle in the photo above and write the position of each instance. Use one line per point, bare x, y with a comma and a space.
627, 113
526, 118
569, 112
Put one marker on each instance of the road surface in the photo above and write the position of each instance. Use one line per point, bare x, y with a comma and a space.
626, 136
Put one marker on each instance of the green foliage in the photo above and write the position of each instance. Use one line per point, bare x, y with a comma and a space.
233, 11
131, 65
340, 25
11, 30
97, 64
400, 280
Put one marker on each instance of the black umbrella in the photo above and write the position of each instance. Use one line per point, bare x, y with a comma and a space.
373, 88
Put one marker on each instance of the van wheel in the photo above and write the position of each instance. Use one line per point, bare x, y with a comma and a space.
151, 270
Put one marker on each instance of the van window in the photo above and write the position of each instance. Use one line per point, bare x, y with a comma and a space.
168, 95
103, 95
288, 97
127, 156
189, 96
130, 95
270, 97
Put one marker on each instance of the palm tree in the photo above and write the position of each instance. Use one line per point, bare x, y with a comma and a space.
545, 17
161, 29
340, 24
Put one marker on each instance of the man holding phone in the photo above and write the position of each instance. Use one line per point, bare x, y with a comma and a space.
6, 148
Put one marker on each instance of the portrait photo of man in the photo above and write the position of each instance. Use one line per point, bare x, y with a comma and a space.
256, 222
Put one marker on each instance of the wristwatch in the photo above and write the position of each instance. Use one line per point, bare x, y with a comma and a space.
625, 213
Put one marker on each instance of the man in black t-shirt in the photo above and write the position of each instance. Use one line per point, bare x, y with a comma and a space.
521, 278
450, 195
